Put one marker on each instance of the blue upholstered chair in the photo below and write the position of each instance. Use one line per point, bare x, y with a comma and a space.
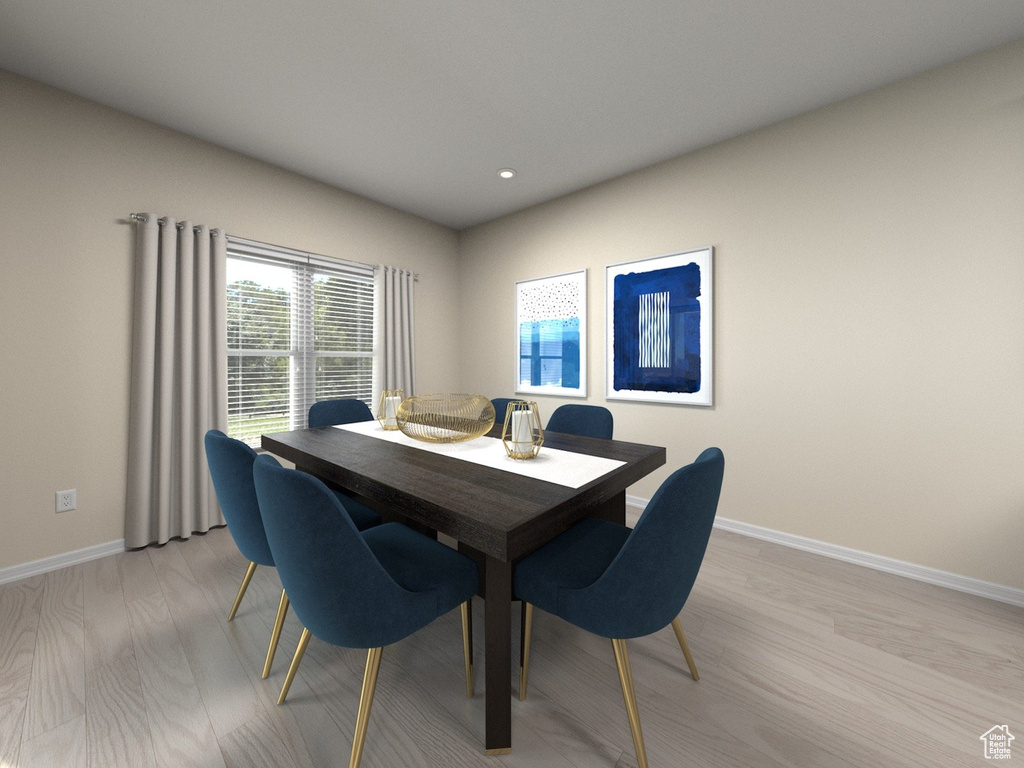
327, 413
352, 589
620, 583
230, 463
501, 406
582, 420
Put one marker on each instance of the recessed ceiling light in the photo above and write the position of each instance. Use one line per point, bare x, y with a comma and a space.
507, 173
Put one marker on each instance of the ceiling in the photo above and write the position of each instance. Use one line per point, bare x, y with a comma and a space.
417, 104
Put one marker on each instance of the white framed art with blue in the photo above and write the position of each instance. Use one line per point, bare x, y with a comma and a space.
551, 335
659, 329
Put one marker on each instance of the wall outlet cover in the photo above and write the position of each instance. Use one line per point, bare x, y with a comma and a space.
67, 500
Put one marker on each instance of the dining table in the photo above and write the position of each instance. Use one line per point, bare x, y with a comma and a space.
498, 509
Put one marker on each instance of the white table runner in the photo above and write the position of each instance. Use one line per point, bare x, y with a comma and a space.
552, 465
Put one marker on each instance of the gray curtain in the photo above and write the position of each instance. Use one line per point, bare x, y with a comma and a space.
179, 379
397, 347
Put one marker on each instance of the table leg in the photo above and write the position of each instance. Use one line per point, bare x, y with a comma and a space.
614, 509
497, 657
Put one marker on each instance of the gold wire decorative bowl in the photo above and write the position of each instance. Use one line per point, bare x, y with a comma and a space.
445, 418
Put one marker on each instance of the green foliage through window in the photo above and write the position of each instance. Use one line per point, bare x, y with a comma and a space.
297, 333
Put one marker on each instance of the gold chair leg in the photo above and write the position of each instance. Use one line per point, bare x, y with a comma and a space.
296, 660
365, 702
275, 636
241, 590
467, 645
678, 628
524, 646
629, 695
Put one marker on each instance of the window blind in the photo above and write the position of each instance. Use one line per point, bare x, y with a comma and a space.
300, 329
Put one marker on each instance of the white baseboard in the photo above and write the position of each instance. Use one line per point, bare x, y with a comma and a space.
47, 564
954, 581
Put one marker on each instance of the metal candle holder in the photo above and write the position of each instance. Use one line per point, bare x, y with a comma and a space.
387, 408
522, 434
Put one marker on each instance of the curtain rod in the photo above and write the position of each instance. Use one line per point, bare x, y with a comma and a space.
141, 217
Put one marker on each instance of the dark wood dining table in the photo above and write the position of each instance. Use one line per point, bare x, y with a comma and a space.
495, 516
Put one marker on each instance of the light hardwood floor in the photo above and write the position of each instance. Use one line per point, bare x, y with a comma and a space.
130, 661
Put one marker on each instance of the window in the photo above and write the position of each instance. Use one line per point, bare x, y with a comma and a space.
300, 329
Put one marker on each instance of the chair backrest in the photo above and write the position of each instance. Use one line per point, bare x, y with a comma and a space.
583, 420
230, 463
336, 585
646, 585
327, 413
501, 407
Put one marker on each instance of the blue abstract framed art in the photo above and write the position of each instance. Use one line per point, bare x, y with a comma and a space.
659, 342
551, 335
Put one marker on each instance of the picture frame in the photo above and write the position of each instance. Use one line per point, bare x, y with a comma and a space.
659, 329
551, 335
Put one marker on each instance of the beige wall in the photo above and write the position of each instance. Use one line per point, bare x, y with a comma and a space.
869, 267
869, 314
70, 172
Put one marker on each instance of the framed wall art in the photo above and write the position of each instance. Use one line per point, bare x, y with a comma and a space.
551, 335
659, 342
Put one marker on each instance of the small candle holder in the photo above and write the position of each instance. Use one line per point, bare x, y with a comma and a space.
522, 434
387, 409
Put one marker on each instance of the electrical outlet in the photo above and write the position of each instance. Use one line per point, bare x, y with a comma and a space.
67, 500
